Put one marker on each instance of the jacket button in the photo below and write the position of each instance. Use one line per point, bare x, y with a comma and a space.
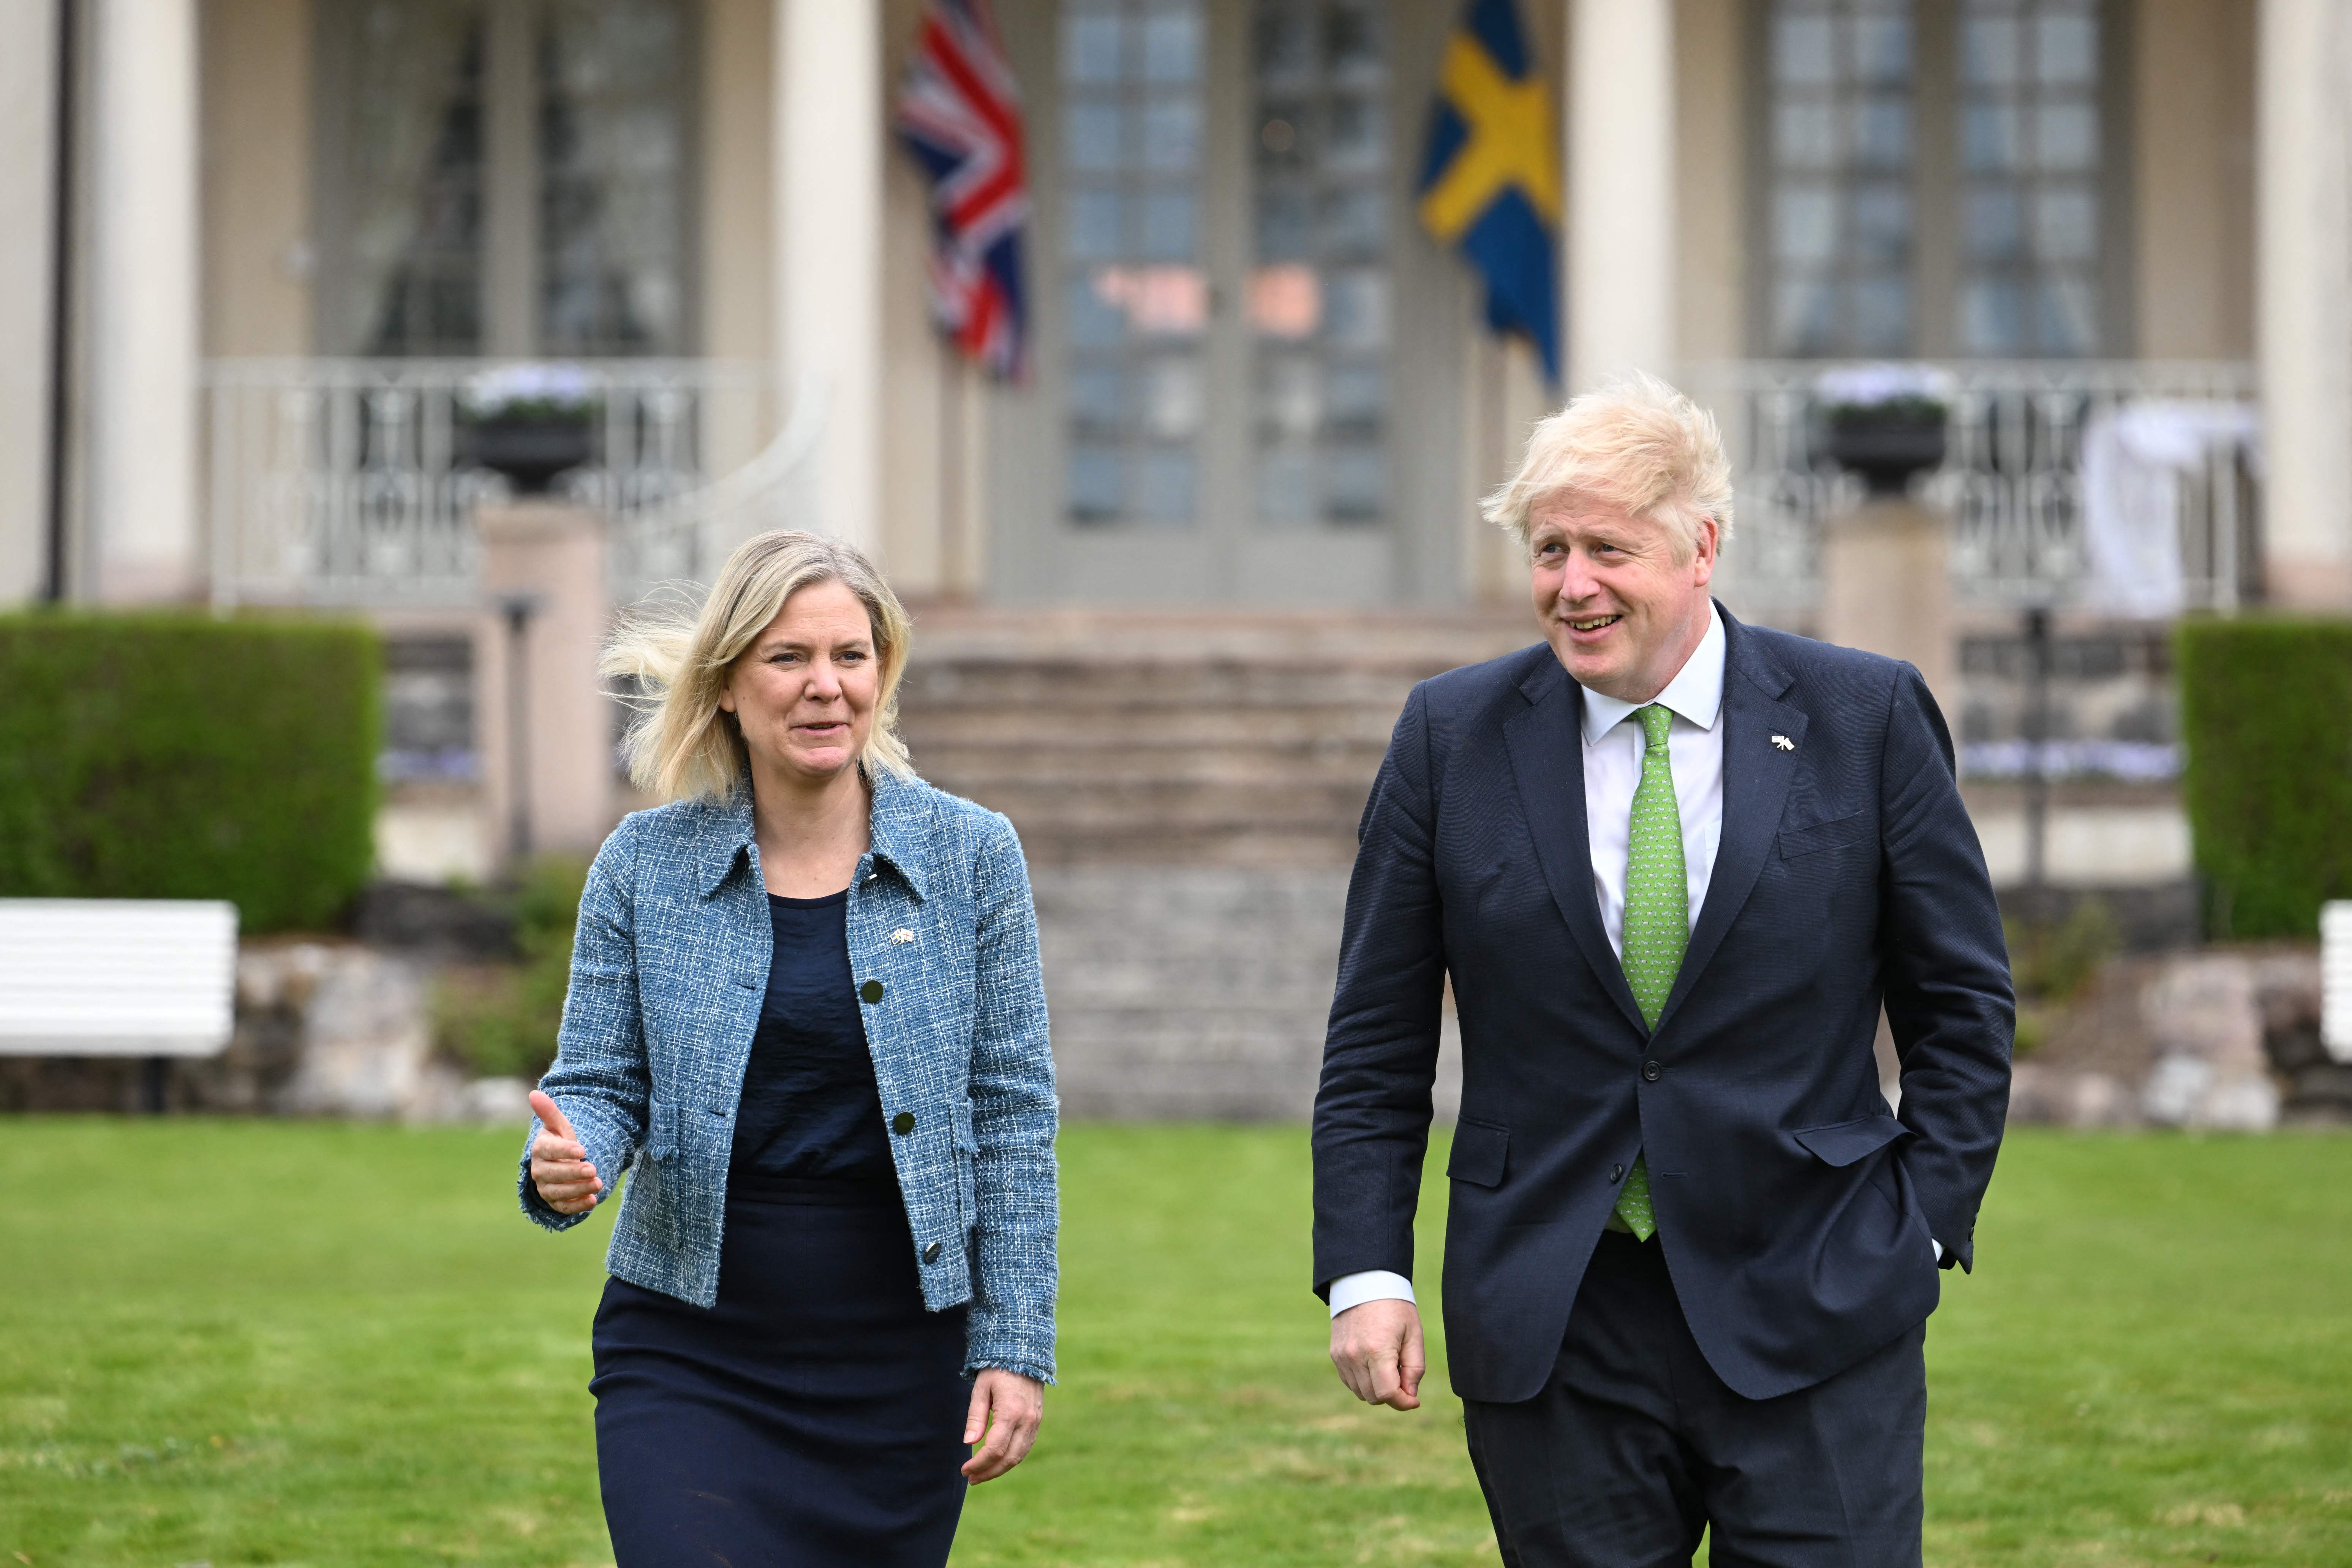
1616, 1173
1651, 1073
903, 1123
931, 1253
871, 991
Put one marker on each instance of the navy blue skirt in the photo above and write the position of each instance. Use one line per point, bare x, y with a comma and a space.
813, 1417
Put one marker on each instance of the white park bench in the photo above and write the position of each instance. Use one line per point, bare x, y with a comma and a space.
117, 978
2335, 978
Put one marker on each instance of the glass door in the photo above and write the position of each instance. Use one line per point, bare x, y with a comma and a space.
1222, 206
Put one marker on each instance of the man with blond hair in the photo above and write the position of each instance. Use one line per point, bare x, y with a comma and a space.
1672, 866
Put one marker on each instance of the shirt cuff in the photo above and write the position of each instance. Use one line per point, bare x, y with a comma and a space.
1931, 1241
1371, 1285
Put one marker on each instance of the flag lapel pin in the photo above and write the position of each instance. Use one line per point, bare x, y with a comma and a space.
1785, 743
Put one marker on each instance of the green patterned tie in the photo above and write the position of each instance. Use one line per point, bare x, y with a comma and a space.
1657, 919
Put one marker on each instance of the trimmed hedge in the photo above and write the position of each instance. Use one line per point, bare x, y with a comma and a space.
2266, 710
173, 756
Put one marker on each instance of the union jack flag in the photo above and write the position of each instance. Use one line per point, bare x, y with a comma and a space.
959, 112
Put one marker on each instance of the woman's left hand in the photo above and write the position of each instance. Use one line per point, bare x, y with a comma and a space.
1006, 1408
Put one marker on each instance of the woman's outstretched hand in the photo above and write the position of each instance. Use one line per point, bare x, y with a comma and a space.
559, 1162
1005, 1408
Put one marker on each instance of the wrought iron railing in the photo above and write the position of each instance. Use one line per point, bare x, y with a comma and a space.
2012, 478
357, 482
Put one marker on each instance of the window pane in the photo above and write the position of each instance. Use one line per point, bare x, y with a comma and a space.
1805, 316
1285, 222
1805, 226
1882, 315
1357, 479
1882, 224
1096, 478
1167, 233
1161, 485
2069, 136
1989, 48
1803, 52
1882, 131
1091, 47
2066, 51
2068, 315
2066, 224
1172, 396
1096, 397
1992, 317
1882, 50
1988, 137
1805, 134
1356, 220
1095, 133
1094, 225
1992, 225
1171, 134
1286, 487
1171, 43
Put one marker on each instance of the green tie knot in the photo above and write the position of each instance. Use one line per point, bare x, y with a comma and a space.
1656, 720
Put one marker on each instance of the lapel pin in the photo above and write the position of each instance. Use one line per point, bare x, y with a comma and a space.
1785, 743
902, 934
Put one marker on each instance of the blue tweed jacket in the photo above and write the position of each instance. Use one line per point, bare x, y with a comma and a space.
667, 974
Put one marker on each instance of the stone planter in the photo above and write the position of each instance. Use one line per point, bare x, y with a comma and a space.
1885, 446
529, 449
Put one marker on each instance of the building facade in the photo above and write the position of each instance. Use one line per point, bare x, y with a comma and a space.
298, 292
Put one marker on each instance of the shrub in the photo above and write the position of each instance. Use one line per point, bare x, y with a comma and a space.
2266, 708
499, 1019
172, 755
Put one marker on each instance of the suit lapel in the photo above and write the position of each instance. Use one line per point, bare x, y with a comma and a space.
1757, 775
1546, 746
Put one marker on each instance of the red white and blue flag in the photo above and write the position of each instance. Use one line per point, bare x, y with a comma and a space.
959, 112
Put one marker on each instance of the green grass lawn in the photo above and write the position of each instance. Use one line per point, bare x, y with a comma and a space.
249, 1342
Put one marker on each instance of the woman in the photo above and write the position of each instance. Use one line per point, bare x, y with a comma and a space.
805, 1002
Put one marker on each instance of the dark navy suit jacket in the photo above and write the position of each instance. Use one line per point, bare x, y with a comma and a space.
1794, 1211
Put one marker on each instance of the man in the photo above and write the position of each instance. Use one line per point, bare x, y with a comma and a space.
1671, 865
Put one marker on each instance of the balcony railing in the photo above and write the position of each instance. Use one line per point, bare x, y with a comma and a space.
349, 482
2011, 480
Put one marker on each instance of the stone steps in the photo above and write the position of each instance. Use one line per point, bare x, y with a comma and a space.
1187, 789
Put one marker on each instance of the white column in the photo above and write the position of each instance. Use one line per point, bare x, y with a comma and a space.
2304, 172
1621, 189
829, 131
28, 112
140, 306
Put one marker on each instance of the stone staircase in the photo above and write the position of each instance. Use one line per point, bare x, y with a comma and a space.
1187, 788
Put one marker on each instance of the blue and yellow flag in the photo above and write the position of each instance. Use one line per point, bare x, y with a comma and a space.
1490, 182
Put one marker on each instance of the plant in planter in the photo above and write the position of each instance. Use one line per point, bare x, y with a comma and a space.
529, 422
1882, 422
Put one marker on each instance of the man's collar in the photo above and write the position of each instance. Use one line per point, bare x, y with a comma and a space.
1695, 693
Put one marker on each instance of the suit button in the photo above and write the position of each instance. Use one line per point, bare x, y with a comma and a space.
1651, 1073
871, 991
903, 1123
1616, 1173
931, 1253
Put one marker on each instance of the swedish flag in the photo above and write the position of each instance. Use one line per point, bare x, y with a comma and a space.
1490, 182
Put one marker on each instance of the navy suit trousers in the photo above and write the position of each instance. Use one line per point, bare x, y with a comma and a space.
1634, 1445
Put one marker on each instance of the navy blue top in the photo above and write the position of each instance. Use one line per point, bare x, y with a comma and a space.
810, 1110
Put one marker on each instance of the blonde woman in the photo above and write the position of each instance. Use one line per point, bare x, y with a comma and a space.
806, 1014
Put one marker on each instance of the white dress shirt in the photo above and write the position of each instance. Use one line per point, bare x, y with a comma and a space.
1613, 771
